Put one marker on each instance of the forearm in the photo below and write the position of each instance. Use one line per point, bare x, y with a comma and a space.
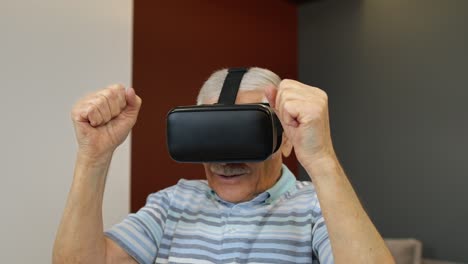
353, 236
80, 237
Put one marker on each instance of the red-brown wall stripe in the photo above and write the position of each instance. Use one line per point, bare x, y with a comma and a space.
177, 45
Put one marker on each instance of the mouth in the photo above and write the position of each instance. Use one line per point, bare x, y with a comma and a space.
231, 179
229, 172
229, 176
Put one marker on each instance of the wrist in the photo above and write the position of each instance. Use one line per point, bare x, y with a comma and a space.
318, 156
91, 172
93, 160
322, 165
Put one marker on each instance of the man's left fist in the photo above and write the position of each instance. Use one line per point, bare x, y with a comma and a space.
303, 112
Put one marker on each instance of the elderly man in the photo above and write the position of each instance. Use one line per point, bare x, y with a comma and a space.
242, 213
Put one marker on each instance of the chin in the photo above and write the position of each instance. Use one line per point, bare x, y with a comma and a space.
233, 193
232, 188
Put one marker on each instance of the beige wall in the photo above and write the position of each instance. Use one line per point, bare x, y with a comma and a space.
51, 53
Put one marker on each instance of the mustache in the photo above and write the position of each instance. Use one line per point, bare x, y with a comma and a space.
229, 169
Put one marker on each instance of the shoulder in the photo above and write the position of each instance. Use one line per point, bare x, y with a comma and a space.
184, 189
303, 193
305, 187
193, 185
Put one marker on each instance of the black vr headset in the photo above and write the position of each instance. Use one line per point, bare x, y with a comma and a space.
224, 132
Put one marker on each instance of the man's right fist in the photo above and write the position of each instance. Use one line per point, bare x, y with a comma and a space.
103, 119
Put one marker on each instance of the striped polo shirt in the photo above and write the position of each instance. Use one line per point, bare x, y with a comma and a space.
189, 223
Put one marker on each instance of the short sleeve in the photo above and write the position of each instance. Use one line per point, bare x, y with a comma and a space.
140, 234
320, 241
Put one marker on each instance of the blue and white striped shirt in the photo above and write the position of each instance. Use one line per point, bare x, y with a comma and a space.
189, 223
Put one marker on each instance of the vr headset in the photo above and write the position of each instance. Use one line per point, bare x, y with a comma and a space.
224, 132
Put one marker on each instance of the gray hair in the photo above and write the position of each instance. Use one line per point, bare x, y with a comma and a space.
255, 78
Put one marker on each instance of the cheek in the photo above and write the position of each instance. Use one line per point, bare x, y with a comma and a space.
207, 171
256, 176
276, 156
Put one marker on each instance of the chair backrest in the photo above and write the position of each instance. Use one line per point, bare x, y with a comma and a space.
405, 251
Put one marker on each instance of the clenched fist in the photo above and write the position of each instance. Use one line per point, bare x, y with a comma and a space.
303, 112
103, 119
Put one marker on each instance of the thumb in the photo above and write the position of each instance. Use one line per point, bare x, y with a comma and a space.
133, 100
270, 93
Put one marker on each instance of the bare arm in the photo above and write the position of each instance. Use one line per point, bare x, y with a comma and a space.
353, 236
102, 122
303, 112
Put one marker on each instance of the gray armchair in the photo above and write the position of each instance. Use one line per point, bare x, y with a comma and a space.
409, 251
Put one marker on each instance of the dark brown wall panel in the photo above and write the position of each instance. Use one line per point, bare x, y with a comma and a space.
177, 45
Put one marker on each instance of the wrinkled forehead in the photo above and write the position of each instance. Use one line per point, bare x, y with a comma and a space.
244, 97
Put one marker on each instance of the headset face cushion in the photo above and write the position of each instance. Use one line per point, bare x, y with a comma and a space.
223, 133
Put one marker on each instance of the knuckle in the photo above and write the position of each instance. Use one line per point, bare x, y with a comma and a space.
106, 94
322, 93
117, 86
100, 100
92, 109
112, 95
96, 104
291, 82
285, 83
115, 92
287, 105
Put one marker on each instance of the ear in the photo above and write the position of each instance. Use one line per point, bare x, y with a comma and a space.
286, 146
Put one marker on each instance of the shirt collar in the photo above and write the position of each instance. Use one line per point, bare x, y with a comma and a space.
284, 184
